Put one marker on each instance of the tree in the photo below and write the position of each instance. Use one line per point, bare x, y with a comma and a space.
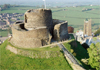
94, 55
97, 32
6, 6
70, 29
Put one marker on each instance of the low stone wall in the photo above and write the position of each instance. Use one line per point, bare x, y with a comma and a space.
70, 58
34, 53
74, 66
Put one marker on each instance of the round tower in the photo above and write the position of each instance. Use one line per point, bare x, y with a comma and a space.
38, 18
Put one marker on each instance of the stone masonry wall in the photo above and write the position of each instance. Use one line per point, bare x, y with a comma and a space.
38, 29
30, 39
38, 18
61, 31
34, 53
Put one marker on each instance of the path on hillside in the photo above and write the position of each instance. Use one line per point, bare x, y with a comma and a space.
68, 54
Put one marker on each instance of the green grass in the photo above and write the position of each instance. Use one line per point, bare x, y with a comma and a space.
76, 17
19, 9
3, 33
72, 37
56, 48
11, 61
44, 52
81, 53
73, 15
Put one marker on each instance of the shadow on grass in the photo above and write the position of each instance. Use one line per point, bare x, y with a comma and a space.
81, 53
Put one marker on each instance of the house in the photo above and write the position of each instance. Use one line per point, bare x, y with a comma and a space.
79, 33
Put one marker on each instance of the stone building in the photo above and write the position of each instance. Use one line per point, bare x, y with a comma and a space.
87, 28
61, 31
38, 18
38, 29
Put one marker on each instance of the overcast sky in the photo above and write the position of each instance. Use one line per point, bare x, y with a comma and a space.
48, 0
36, 2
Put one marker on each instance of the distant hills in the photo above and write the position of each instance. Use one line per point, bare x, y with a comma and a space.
51, 2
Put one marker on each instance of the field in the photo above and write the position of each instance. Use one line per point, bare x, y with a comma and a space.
3, 33
74, 15
11, 61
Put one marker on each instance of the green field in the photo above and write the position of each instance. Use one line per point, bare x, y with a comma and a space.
19, 9
3, 33
76, 17
11, 61
73, 15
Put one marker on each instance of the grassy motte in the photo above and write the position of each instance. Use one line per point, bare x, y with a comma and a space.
11, 61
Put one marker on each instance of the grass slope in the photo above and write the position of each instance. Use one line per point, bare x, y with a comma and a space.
10, 61
79, 52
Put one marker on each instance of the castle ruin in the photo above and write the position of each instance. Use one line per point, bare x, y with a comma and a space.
38, 29
87, 28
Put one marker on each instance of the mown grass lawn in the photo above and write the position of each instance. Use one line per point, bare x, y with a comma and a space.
11, 61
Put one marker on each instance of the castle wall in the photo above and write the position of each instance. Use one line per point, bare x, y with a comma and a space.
38, 18
30, 39
38, 29
61, 31
57, 21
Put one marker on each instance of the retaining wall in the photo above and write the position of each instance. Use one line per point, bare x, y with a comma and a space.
34, 53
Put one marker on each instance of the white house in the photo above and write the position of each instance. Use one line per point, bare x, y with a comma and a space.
79, 33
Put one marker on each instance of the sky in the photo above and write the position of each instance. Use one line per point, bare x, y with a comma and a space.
50, 2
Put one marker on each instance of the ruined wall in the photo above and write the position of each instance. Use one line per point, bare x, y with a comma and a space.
30, 39
87, 28
38, 18
61, 31
38, 29
57, 21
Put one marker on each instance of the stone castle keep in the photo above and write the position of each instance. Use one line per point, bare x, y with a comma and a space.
87, 28
38, 29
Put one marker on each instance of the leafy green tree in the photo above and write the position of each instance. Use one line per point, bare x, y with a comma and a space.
6, 6
97, 32
94, 55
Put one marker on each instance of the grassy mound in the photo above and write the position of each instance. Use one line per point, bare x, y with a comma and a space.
11, 61
78, 51
44, 52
